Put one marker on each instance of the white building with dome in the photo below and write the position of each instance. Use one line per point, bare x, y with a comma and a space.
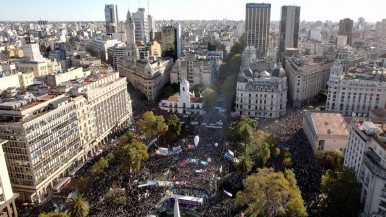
258, 92
183, 102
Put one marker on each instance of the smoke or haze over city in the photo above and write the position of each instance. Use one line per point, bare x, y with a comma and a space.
89, 10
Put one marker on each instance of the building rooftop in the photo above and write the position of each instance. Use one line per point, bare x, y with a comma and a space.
326, 123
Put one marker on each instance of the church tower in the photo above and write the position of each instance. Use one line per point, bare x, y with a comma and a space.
336, 71
130, 36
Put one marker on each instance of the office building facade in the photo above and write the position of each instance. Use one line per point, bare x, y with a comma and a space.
288, 29
50, 134
257, 24
357, 91
171, 41
111, 18
345, 28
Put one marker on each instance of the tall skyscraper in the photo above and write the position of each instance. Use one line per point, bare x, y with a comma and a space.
345, 28
171, 41
257, 22
141, 21
111, 17
289, 29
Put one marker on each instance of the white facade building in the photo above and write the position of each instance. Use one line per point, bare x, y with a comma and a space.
357, 91
98, 48
7, 197
366, 154
183, 102
258, 92
325, 131
141, 21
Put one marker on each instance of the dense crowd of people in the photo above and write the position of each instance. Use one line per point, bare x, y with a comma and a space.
308, 171
195, 178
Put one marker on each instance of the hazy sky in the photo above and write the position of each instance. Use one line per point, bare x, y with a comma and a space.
85, 10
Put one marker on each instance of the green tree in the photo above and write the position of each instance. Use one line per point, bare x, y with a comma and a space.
259, 147
167, 91
270, 193
83, 184
265, 193
341, 192
126, 138
78, 206
242, 129
197, 89
210, 97
151, 125
116, 196
330, 159
244, 165
54, 214
264, 153
98, 168
174, 128
134, 153
295, 206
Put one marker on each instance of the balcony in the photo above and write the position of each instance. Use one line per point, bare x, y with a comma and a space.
371, 161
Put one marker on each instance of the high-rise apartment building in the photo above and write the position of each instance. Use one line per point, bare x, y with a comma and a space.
141, 21
195, 70
7, 197
366, 154
345, 28
380, 28
111, 18
288, 29
49, 134
171, 41
257, 23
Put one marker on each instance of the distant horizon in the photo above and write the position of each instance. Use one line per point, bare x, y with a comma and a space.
93, 10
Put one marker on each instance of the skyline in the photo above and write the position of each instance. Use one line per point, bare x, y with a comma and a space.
187, 10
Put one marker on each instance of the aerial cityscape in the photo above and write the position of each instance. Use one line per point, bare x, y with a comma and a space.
192, 109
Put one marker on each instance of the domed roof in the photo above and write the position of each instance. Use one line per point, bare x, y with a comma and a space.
242, 77
248, 72
337, 62
278, 71
265, 74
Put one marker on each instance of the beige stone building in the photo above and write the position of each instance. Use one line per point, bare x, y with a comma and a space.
307, 76
148, 76
194, 69
325, 131
51, 134
357, 91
